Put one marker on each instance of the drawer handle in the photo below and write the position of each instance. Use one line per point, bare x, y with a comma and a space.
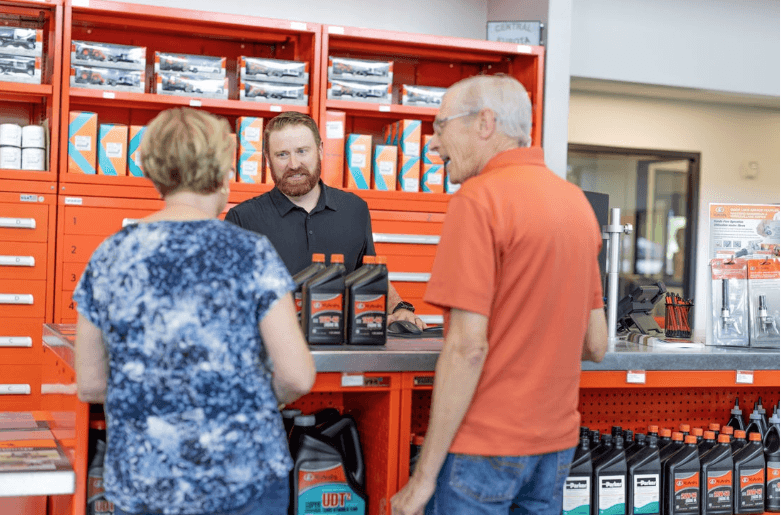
417, 239
129, 221
17, 261
17, 223
16, 341
408, 277
432, 319
16, 298
14, 389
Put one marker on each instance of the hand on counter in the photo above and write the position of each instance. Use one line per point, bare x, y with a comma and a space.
405, 314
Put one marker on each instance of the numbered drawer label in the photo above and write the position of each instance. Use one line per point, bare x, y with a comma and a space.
71, 273
100, 221
78, 249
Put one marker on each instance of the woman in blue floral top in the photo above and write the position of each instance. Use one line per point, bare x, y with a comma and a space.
188, 335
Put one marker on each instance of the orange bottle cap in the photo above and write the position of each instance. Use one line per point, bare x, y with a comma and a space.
723, 438
318, 258
697, 431
337, 258
740, 433
685, 428
653, 429
665, 433
727, 430
369, 260
709, 435
714, 427
678, 437
690, 439
755, 437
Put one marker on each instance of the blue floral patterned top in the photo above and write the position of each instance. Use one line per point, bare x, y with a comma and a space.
192, 420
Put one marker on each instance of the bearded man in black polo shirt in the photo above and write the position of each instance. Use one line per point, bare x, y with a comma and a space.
301, 215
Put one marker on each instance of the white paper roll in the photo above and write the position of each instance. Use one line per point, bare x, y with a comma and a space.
33, 137
10, 158
33, 159
10, 135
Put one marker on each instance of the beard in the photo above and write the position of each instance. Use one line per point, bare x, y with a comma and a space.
297, 189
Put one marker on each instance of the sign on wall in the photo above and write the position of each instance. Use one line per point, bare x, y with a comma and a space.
519, 32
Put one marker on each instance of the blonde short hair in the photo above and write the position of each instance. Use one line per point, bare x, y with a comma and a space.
186, 149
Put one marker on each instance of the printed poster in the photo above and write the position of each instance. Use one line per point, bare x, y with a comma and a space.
744, 230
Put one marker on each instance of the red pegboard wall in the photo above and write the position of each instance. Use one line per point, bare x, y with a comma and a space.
636, 409
421, 406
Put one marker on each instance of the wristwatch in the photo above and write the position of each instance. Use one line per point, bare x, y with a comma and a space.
403, 305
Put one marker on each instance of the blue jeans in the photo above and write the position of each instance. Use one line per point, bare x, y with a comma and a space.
489, 485
274, 501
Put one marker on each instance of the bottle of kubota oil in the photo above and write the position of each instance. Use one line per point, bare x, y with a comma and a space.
716, 486
739, 442
644, 480
665, 438
318, 264
322, 315
772, 459
749, 473
729, 431
676, 445
707, 443
608, 492
697, 432
715, 427
684, 429
682, 480
366, 305
577, 486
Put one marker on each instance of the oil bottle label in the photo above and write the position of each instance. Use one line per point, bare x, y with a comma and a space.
299, 302
326, 491
687, 493
326, 314
370, 313
577, 496
752, 488
96, 502
773, 472
612, 495
719, 488
646, 493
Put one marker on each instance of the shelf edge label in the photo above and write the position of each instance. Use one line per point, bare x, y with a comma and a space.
276, 109
297, 25
73, 201
635, 376
524, 49
195, 103
332, 29
744, 377
109, 94
80, 3
349, 380
385, 108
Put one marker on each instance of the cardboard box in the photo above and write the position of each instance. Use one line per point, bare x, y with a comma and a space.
82, 142
112, 149
90, 77
384, 168
432, 178
408, 135
250, 132
332, 171
449, 186
357, 163
16, 68
250, 167
133, 153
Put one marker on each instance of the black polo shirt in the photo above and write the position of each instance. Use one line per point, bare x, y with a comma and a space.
338, 224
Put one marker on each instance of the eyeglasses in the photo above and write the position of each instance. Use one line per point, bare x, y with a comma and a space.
439, 123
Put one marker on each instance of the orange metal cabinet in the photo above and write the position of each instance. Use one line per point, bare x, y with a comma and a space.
20, 341
36, 104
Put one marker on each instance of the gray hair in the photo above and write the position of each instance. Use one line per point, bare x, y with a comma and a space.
503, 95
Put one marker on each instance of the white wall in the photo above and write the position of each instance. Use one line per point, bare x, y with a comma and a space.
462, 18
720, 45
725, 135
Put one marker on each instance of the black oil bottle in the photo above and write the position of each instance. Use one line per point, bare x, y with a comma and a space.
577, 486
772, 459
763, 413
366, 305
608, 492
736, 417
640, 441
604, 446
716, 488
749, 474
302, 425
682, 480
739, 442
675, 446
644, 480
594, 437
322, 316
664, 438
288, 416
697, 432
707, 443
729, 431
318, 264
715, 428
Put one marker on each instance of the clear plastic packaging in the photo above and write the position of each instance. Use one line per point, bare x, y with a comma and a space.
359, 91
729, 303
274, 92
191, 86
422, 96
19, 41
89, 53
360, 70
273, 70
202, 65
764, 303
114, 79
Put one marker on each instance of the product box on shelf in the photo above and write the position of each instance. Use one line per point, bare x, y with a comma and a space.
250, 168
449, 186
432, 177
16, 68
107, 78
359, 91
191, 86
133, 154
108, 55
384, 167
250, 132
360, 69
112, 149
357, 163
421, 96
202, 65
273, 70
333, 149
82, 142
408, 134
34, 159
19, 41
764, 278
274, 92
10, 158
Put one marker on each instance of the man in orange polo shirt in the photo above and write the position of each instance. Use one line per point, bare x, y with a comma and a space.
516, 274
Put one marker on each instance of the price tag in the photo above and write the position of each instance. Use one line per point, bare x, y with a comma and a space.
276, 109
635, 376
335, 30
195, 103
524, 49
73, 201
109, 94
385, 109
297, 25
352, 380
744, 377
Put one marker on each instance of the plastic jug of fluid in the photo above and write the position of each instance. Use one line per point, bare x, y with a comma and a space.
609, 481
717, 485
749, 473
577, 486
736, 417
682, 480
644, 480
772, 459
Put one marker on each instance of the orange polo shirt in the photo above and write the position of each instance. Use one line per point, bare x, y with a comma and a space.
519, 245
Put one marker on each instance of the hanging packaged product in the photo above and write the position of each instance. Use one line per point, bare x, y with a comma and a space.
764, 305
729, 303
